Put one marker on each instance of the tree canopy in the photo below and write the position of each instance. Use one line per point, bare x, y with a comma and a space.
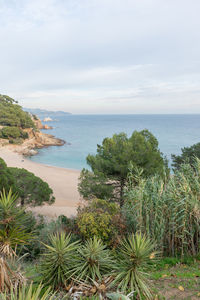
12, 114
6, 177
32, 190
188, 155
110, 166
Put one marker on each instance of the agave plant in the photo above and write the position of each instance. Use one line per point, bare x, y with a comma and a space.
93, 261
133, 255
27, 292
12, 224
12, 233
56, 262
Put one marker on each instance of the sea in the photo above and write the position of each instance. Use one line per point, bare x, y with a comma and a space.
82, 133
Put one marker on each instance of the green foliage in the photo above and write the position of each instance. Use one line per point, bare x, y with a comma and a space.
57, 260
13, 231
43, 230
101, 219
134, 254
167, 212
28, 292
12, 132
110, 165
94, 186
188, 155
11, 114
6, 178
117, 296
32, 190
93, 261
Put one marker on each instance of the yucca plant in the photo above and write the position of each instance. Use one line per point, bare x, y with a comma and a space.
12, 233
57, 260
27, 292
133, 255
12, 224
93, 261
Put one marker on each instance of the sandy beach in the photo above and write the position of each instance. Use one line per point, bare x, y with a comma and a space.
62, 181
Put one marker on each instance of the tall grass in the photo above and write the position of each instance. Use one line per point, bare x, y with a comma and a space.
167, 212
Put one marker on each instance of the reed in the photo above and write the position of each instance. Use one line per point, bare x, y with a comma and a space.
167, 211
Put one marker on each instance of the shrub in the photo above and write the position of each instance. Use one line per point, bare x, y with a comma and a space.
101, 219
133, 256
57, 260
93, 261
12, 132
43, 230
27, 292
188, 155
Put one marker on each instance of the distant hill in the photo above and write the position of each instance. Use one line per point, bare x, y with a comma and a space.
43, 113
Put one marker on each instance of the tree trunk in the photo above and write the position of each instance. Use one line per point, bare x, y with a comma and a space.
22, 201
122, 182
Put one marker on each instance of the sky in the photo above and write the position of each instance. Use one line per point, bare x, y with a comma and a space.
101, 56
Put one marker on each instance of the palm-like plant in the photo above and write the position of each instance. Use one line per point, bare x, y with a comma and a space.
93, 261
56, 262
28, 293
12, 224
134, 254
12, 233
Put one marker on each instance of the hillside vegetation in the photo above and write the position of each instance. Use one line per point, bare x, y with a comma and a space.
13, 120
12, 114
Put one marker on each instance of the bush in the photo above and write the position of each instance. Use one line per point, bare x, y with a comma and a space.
28, 292
188, 155
57, 260
93, 261
43, 230
101, 219
12, 132
134, 254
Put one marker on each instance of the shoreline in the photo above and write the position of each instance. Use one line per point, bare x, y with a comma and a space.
35, 162
63, 181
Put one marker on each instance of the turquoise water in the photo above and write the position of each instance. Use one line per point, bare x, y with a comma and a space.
84, 132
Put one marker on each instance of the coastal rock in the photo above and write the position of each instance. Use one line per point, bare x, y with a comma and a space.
28, 152
47, 127
36, 140
48, 119
39, 125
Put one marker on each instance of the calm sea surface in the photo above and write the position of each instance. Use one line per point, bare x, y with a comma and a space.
84, 132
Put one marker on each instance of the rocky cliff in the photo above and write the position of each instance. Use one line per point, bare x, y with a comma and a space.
36, 140
39, 124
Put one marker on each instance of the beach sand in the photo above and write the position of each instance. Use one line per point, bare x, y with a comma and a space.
63, 182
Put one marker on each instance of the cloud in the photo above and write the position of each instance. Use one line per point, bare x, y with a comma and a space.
88, 55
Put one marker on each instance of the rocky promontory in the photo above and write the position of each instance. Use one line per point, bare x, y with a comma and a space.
36, 140
39, 124
20, 131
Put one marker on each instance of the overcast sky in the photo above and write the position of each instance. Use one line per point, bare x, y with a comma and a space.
101, 56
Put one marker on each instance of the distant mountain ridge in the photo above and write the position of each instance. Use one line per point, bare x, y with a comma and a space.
46, 113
